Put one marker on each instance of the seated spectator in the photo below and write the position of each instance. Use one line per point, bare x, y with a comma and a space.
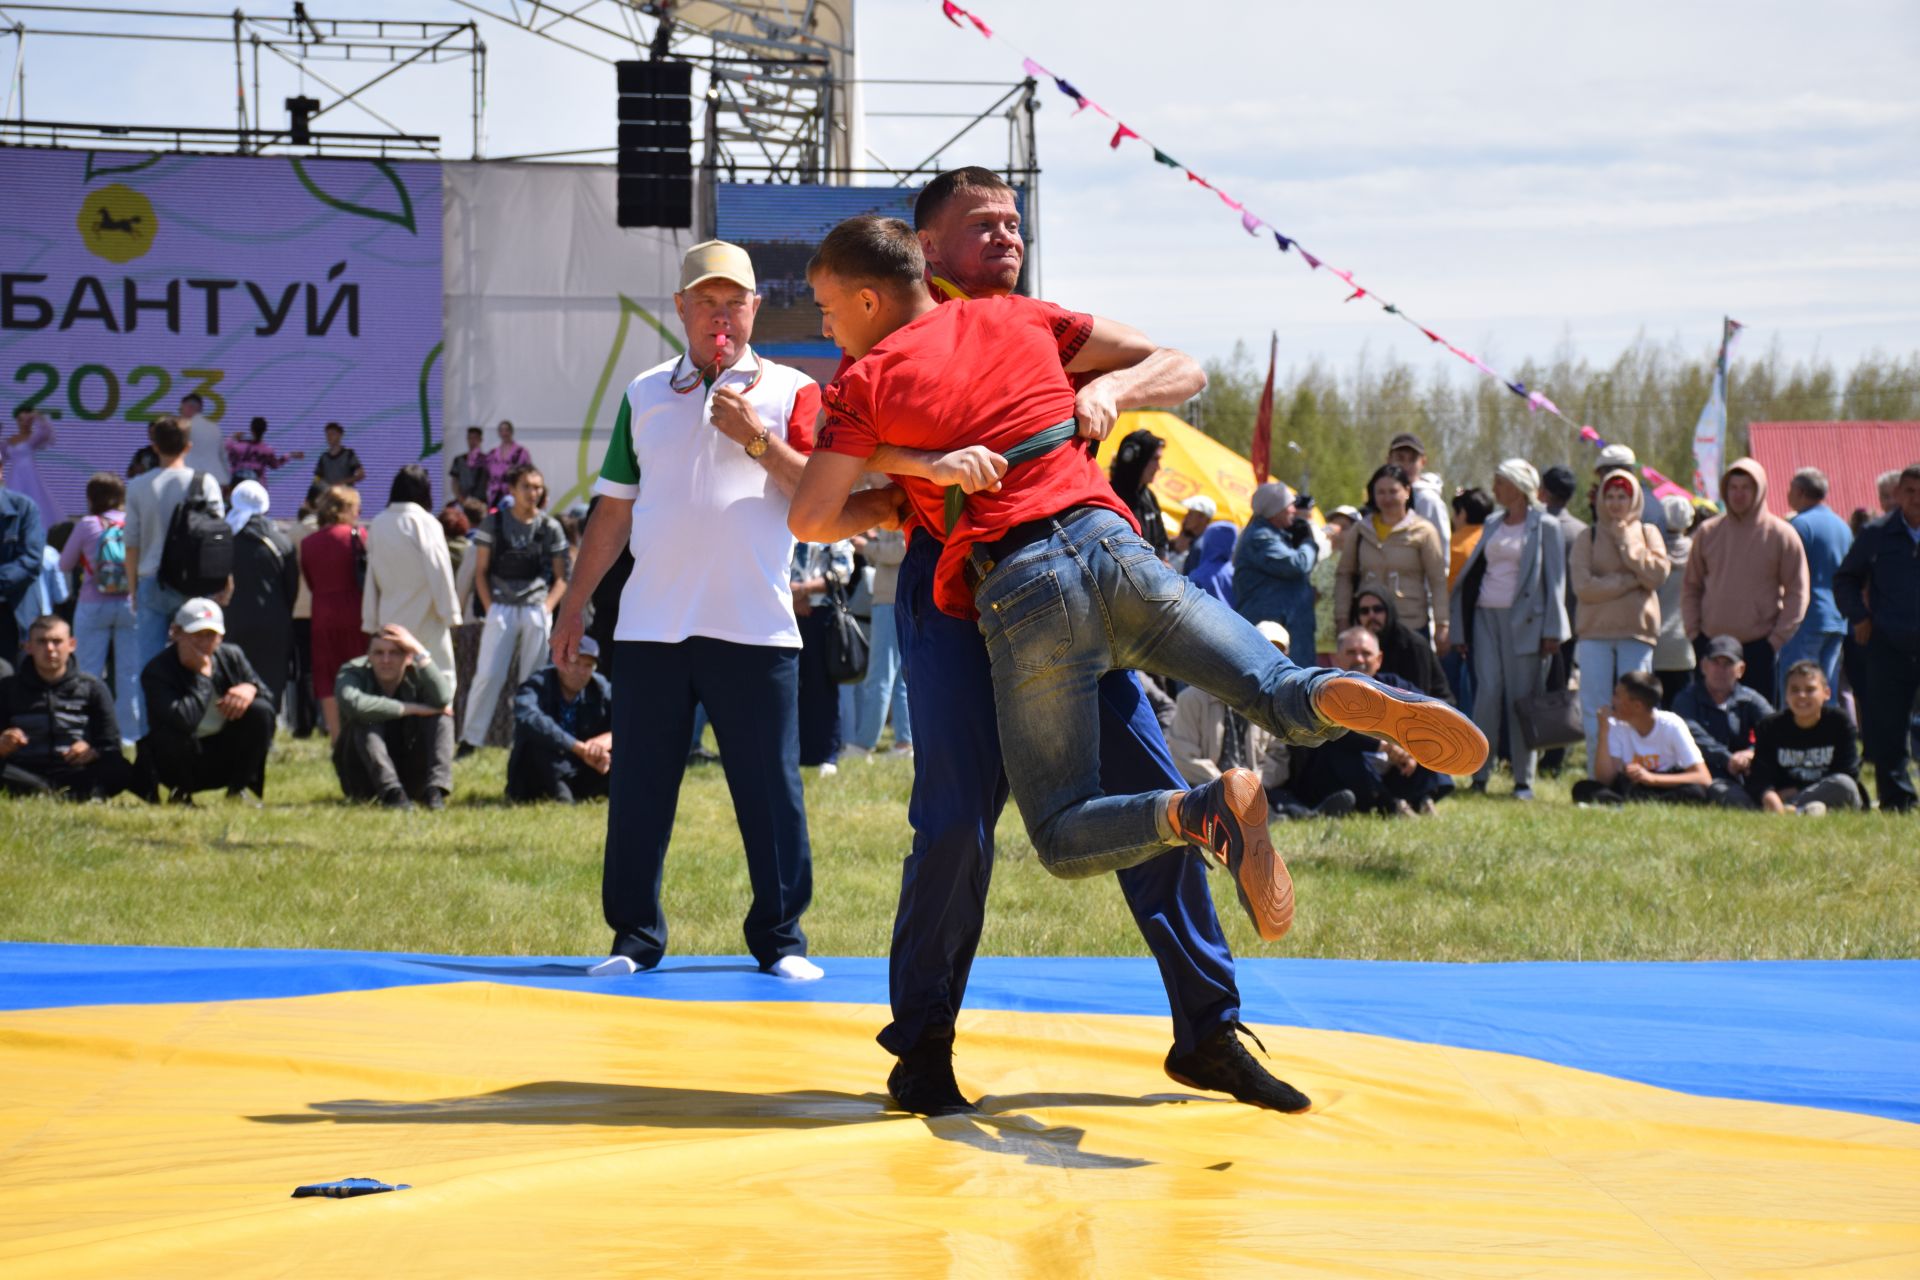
1721, 712
1207, 738
1804, 758
1380, 774
562, 731
58, 732
209, 717
1402, 653
1645, 753
396, 724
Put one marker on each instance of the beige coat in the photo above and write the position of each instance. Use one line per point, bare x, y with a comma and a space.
410, 580
1617, 572
1409, 568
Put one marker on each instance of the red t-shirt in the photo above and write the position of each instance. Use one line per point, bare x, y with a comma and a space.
986, 371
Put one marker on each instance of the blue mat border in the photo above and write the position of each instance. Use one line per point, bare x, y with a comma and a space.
1841, 1035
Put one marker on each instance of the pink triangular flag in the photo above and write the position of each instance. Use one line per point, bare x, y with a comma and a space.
1120, 135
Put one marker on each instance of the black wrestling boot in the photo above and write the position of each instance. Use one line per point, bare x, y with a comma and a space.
1222, 1065
922, 1081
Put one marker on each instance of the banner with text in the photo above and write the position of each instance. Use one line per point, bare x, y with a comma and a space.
301, 291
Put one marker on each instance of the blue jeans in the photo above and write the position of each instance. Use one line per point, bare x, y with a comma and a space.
104, 624
1093, 598
158, 604
958, 793
1822, 647
885, 683
1602, 663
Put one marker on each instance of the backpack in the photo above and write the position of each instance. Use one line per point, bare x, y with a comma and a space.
109, 566
197, 557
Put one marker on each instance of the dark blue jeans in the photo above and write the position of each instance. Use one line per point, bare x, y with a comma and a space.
751, 693
959, 790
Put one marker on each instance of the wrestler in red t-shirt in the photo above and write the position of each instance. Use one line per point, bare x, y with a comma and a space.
988, 371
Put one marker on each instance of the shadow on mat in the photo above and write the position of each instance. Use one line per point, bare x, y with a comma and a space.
997, 1128
511, 970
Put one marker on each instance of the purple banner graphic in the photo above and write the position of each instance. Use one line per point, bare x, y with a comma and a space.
299, 291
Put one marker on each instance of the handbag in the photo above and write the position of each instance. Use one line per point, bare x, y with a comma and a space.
846, 639
1551, 719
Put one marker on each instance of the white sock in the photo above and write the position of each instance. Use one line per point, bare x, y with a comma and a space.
797, 969
614, 967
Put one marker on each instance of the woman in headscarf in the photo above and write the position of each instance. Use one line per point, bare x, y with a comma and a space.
1513, 613
1402, 653
1135, 465
1672, 648
1397, 552
1619, 564
266, 582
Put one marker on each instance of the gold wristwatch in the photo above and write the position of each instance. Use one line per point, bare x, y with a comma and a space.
756, 446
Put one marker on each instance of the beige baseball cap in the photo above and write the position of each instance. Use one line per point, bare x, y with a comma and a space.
717, 260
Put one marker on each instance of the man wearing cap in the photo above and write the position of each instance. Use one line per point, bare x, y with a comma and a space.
562, 731
396, 724
1200, 513
1272, 567
1746, 576
209, 718
1428, 502
705, 454
1721, 713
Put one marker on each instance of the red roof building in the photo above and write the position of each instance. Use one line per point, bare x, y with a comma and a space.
1853, 455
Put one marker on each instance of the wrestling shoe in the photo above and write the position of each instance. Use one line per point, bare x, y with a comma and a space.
1435, 734
922, 1081
1228, 818
1221, 1064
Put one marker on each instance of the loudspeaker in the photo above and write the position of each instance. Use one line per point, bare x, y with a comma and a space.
656, 144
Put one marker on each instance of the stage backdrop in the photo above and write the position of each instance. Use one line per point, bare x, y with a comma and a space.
551, 310
301, 291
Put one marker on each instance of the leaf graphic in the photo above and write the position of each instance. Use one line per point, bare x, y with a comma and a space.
93, 172
428, 445
628, 309
404, 218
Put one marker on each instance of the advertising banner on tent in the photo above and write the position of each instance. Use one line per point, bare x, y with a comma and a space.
300, 291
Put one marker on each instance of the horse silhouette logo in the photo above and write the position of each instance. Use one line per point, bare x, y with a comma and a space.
117, 223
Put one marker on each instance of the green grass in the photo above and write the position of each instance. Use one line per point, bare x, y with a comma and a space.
1487, 879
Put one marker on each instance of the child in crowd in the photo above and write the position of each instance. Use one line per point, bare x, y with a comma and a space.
1804, 758
1644, 753
1049, 559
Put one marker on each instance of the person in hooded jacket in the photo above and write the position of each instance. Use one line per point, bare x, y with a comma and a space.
1673, 659
1402, 653
1747, 576
266, 583
1210, 561
1135, 465
1273, 566
58, 732
1619, 564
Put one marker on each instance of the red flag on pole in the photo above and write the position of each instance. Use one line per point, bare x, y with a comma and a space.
1262, 452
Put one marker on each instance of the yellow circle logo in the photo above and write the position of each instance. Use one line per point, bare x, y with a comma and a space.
117, 223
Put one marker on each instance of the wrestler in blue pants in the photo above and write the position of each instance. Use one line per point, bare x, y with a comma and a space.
958, 793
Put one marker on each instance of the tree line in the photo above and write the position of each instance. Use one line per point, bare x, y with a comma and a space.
1650, 397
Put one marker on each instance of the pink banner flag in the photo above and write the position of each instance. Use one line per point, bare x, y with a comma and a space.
1194, 177
1432, 336
1229, 201
1251, 223
1589, 435
954, 13
1120, 135
1358, 292
1537, 402
1312, 262
1034, 69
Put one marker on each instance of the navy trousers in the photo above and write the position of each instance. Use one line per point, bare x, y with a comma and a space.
959, 790
751, 693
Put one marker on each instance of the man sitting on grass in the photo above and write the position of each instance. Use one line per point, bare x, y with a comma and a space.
1645, 753
396, 724
562, 731
58, 732
1064, 586
1723, 714
209, 719
1804, 758
1376, 775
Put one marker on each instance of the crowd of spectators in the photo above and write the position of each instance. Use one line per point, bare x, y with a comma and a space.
1726, 657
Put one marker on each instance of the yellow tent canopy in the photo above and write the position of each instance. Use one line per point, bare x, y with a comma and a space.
1194, 463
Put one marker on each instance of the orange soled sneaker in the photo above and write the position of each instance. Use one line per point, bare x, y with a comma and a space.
1228, 818
1434, 733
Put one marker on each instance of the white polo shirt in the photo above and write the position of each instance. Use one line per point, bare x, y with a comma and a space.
710, 543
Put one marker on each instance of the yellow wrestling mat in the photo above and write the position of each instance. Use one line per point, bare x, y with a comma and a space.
558, 1133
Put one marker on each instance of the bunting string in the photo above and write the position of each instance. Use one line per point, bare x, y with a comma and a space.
1253, 224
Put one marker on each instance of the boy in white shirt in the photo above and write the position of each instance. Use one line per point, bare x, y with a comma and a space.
1644, 753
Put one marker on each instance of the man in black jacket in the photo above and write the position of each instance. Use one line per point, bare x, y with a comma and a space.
1878, 589
58, 732
1723, 714
1379, 773
562, 731
209, 716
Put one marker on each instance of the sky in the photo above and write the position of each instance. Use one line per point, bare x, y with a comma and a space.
1521, 178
